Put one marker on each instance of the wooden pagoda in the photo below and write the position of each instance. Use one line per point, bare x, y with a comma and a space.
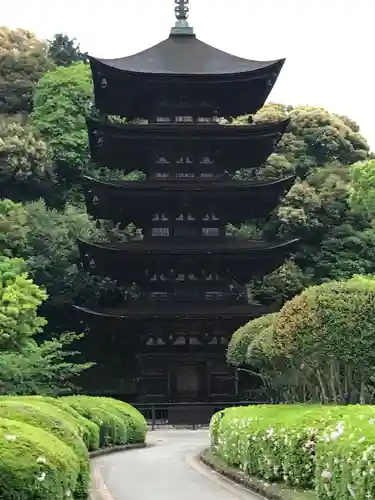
186, 278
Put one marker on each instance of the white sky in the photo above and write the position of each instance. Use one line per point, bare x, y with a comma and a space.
329, 44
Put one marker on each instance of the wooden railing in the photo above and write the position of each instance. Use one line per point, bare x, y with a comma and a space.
184, 414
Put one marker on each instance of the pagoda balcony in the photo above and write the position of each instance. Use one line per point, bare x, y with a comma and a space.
209, 80
137, 261
181, 148
138, 201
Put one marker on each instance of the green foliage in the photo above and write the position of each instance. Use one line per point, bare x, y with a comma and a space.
337, 240
133, 419
330, 328
26, 170
19, 301
88, 430
61, 103
27, 367
363, 187
305, 446
34, 464
117, 422
318, 348
46, 239
250, 340
47, 368
42, 443
24, 59
64, 51
56, 423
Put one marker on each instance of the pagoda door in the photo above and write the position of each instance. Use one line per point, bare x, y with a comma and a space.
189, 381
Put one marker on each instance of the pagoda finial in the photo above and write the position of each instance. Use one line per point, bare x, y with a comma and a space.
181, 9
182, 13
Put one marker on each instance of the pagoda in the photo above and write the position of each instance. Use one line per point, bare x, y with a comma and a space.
186, 277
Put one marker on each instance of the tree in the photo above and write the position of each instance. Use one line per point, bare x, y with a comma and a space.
47, 241
63, 98
19, 301
329, 330
26, 168
65, 51
273, 376
319, 347
24, 59
363, 187
47, 369
26, 366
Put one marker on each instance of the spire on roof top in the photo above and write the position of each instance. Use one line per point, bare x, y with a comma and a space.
182, 13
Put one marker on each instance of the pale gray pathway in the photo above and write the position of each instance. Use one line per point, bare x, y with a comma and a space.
164, 471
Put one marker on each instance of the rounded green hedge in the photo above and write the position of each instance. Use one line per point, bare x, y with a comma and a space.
44, 443
113, 430
52, 420
34, 464
134, 421
331, 448
88, 430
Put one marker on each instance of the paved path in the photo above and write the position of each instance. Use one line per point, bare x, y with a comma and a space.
166, 470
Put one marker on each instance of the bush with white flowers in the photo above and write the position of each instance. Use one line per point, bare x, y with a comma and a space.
44, 443
327, 448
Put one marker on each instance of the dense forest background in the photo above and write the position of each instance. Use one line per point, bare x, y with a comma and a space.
45, 95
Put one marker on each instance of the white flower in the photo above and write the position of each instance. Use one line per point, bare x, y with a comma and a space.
9, 437
41, 460
41, 476
68, 494
371, 421
326, 474
351, 490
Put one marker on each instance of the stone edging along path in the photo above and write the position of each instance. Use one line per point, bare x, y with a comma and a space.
107, 451
252, 485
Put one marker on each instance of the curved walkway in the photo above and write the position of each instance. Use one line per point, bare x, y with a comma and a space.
166, 470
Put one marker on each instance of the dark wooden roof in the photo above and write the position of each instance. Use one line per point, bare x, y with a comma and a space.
205, 186
208, 80
170, 247
170, 131
137, 201
186, 55
175, 311
136, 146
241, 260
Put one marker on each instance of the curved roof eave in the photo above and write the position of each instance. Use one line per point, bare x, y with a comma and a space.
187, 56
253, 246
194, 186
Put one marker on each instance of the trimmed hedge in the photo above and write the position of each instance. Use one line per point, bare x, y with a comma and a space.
133, 420
34, 464
329, 448
54, 421
44, 443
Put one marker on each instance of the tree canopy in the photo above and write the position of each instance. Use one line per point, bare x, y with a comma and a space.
24, 60
65, 51
62, 100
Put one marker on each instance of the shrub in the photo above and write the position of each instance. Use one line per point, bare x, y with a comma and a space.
329, 447
330, 329
88, 430
113, 430
56, 422
35, 465
133, 419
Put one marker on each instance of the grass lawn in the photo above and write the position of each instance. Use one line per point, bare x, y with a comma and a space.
273, 491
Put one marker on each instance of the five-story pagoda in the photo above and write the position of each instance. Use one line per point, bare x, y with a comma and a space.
167, 342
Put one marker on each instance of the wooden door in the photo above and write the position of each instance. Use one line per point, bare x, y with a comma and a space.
189, 382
